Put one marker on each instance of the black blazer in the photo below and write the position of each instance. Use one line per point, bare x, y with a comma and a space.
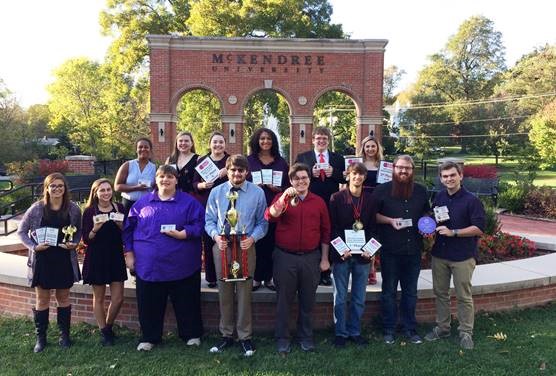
330, 185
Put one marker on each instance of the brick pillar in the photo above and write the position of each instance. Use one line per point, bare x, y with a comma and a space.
81, 164
163, 135
367, 125
301, 130
232, 127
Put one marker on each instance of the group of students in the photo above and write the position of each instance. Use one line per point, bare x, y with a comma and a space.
171, 220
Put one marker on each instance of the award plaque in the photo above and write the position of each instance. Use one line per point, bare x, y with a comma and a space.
426, 226
235, 267
441, 213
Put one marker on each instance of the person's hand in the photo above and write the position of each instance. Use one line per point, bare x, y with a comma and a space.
180, 235
324, 265
366, 255
68, 245
97, 226
396, 223
247, 243
316, 171
205, 185
223, 173
443, 230
221, 242
346, 255
41, 247
130, 261
141, 187
273, 188
328, 171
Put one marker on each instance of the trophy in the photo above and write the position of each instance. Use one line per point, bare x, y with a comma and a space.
238, 266
68, 232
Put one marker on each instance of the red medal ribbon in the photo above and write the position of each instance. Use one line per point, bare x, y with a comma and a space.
356, 209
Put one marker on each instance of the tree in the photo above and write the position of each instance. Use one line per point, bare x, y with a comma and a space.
467, 69
391, 80
543, 134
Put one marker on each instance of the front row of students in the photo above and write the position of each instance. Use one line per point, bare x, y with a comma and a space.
162, 234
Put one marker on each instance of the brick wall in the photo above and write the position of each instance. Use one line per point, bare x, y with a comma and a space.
18, 301
81, 164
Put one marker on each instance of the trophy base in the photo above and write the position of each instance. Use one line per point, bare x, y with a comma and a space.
239, 279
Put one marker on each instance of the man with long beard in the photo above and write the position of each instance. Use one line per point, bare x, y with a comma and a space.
400, 204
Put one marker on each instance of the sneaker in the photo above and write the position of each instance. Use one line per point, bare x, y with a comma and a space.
466, 341
359, 340
193, 342
389, 339
283, 346
247, 347
325, 281
220, 346
339, 342
413, 337
436, 333
307, 345
145, 346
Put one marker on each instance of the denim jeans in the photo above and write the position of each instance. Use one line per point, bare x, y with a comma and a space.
340, 273
405, 270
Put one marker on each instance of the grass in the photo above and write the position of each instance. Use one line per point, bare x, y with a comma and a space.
530, 349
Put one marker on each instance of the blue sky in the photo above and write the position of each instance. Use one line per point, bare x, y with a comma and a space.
38, 35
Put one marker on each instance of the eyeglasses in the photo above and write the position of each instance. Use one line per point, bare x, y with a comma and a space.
240, 170
56, 186
403, 168
296, 178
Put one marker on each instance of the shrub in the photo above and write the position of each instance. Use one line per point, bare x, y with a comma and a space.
512, 198
541, 202
492, 222
24, 170
503, 247
480, 171
47, 167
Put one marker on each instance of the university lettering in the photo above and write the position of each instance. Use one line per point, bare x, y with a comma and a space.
268, 59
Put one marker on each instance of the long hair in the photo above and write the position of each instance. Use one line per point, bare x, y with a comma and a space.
379, 152
254, 146
176, 153
93, 198
46, 195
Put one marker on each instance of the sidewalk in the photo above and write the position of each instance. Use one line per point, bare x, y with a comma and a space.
543, 233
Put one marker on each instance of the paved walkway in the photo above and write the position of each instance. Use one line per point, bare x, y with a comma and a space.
543, 233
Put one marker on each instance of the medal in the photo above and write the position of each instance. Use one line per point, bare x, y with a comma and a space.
357, 225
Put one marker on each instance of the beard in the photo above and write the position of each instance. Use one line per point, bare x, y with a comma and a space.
402, 188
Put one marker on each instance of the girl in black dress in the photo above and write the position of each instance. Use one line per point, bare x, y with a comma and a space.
51, 230
184, 160
104, 262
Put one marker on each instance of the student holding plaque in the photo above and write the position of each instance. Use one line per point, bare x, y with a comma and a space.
327, 172
51, 230
371, 151
301, 253
454, 253
184, 159
265, 156
400, 204
135, 178
104, 262
216, 158
352, 212
162, 238
249, 225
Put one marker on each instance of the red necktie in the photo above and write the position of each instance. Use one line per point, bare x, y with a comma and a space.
321, 160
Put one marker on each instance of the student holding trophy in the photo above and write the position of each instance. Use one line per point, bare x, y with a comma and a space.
235, 221
51, 230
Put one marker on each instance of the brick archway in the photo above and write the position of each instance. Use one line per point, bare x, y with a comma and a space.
234, 68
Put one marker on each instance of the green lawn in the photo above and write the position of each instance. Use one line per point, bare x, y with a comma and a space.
530, 349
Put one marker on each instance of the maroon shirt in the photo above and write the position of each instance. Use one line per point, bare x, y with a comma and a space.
304, 227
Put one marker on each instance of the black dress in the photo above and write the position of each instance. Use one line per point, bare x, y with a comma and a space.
370, 182
186, 173
104, 258
53, 269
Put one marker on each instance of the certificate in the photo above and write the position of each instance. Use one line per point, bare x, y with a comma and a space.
257, 177
40, 235
321, 166
355, 240
277, 178
145, 182
51, 236
118, 217
384, 172
372, 246
164, 228
208, 170
267, 175
441, 213
351, 159
339, 245
100, 218
405, 223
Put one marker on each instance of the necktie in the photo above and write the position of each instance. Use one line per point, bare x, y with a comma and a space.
322, 175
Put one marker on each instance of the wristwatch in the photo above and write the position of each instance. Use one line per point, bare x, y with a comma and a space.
455, 232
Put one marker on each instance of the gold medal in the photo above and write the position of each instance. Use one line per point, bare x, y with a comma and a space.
357, 225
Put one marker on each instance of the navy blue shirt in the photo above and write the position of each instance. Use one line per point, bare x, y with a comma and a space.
407, 241
464, 210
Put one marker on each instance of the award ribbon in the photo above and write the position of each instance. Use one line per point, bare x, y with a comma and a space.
357, 225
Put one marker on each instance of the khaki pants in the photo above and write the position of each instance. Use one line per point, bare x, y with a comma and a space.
226, 292
462, 271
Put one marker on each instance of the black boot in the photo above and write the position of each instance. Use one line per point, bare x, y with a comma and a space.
107, 336
41, 326
64, 320
110, 328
